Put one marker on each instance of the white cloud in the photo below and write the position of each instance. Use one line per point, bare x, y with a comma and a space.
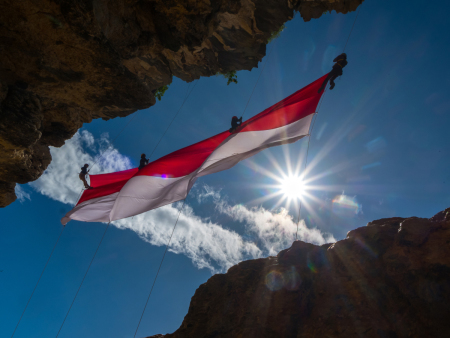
21, 194
60, 181
274, 231
206, 193
207, 244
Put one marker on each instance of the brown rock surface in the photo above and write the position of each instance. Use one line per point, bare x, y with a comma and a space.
388, 279
66, 62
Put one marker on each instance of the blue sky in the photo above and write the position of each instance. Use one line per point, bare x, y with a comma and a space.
380, 148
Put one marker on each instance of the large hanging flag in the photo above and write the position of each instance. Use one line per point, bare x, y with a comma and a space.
131, 192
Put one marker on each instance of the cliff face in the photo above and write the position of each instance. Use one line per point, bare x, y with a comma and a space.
66, 62
388, 279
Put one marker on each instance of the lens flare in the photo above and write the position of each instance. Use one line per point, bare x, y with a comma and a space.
292, 279
274, 281
344, 205
311, 266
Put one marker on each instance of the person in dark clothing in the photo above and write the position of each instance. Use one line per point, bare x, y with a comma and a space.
235, 122
83, 174
340, 62
143, 162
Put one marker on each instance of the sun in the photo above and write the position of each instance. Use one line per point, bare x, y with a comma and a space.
292, 187
291, 183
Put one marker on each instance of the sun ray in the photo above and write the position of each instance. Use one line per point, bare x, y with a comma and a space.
265, 198
275, 163
337, 137
310, 209
280, 201
327, 187
311, 197
330, 171
252, 165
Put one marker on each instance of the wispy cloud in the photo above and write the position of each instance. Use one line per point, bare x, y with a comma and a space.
207, 244
273, 231
21, 194
207, 192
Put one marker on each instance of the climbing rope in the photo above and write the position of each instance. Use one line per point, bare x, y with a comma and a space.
188, 93
111, 144
160, 264
82, 281
307, 152
356, 17
173, 119
79, 195
179, 213
39, 279
315, 118
262, 70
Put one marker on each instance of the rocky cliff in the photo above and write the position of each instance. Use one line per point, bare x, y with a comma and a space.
388, 279
66, 62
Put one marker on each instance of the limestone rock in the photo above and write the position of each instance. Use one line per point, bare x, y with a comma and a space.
8, 196
388, 279
66, 62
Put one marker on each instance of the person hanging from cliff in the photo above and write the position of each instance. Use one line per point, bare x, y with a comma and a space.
235, 122
83, 174
143, 162
340, 62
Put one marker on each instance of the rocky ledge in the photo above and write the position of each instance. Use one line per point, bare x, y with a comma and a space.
388, 279
66, 62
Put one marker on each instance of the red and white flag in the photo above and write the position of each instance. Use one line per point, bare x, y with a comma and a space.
131, 192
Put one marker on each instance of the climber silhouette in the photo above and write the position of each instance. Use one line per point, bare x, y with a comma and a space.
340, 62
235, 122
83, 174
143, 162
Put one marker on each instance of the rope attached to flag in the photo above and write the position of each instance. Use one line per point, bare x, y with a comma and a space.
82, 281
262, 70
315, 118
306, 157
160, 264
39, 279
